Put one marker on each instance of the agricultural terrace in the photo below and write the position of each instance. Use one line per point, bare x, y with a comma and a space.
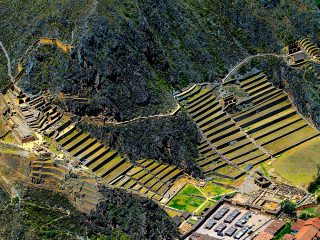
212, 190
188, 199
298, 165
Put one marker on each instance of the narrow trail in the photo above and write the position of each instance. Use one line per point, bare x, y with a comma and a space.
147, 117
247, 59
231, 71
9, 62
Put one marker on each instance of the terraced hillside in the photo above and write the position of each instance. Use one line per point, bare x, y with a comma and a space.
272, 122
145, 176
250, 137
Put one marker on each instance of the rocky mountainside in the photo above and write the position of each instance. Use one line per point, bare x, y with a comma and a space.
129, 56
44, 214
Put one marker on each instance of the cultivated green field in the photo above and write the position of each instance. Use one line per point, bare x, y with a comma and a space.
214, 190
207, 204
186, 199
299, 165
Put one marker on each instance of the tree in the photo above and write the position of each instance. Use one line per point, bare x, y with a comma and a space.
288, 207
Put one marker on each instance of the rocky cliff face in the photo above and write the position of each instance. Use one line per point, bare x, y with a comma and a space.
301, 85
129, 56
171, 140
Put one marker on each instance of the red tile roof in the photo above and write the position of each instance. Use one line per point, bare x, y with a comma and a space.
298, 225
314, 222
264, 236
275, 227
307, 233
288, 237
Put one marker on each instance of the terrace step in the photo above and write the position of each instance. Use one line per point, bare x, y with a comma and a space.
211, 105
226, 141
208, 161
203, 146
263, 93
76, 142
205, 150
163, 190
130, 184
189, 94
152, 182
122, 169
292, 140
282, 132
271, 121
100, 153
213, 167
159, 169
215, 124
255, 84
245, 158
156, 197
165, 172
274, 127
208, 113
201, 97
224, 134
212, 119
260, 88
84, 146
105, 167
251, 78
68, 138
145, 179
90, 151
122, 181
231, 148
139, 175
260, 108
268, 96
102, 161
172, 175
201, 105
65, 132
157, 186
221, 128
153, 166
246, 149
256, 160
147, 163
265, 114
134, 171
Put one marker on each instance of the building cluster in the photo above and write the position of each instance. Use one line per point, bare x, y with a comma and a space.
305, 230
272, 229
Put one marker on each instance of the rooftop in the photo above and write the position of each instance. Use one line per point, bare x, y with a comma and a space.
307, 233
264, 236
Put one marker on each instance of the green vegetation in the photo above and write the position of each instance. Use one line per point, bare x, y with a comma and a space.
314, 186
46, 214
309, 212
207, 204
298, 165
211, 189
264, 170
288, 207
189, 189
188, 199
284, 231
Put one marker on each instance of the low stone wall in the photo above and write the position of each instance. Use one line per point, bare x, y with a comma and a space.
306, 206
